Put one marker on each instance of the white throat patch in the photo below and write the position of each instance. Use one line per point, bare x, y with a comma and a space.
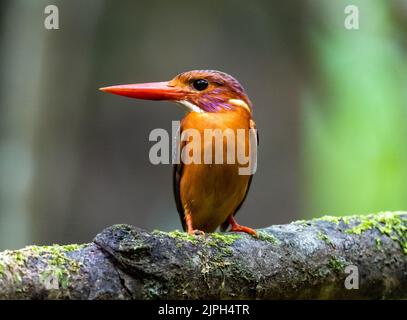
190, 106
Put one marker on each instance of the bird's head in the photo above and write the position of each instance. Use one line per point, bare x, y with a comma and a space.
198, 91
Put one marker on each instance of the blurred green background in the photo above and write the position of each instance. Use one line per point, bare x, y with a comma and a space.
330, 105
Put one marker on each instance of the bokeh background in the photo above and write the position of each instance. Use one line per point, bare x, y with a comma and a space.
330, 105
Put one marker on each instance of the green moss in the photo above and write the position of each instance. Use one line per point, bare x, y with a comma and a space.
56, 264
17, 278
332, 219
56, 248
266, 236
390, 224
220, 241
19, 257
211, 239
378, 243
337, 264
337, 220
223, 251
324, 237
183, 236
72, 247
225, 238
213, 247
60, 266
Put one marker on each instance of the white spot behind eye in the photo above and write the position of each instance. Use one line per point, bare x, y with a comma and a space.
239, 103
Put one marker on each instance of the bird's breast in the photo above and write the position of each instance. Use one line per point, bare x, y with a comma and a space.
212, 190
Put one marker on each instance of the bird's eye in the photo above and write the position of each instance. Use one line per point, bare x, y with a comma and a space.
200, 84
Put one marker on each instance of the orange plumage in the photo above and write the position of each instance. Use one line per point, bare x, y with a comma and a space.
207, 195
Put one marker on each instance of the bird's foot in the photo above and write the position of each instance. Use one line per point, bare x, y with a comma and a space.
190, 228
196, 232
239, 228
235, 227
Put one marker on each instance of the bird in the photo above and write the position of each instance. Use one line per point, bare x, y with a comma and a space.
207, 196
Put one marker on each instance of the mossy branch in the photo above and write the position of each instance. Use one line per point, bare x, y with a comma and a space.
304, 259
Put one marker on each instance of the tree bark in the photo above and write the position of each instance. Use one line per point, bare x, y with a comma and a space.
327, 258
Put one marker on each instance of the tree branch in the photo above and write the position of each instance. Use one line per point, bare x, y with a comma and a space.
304, 259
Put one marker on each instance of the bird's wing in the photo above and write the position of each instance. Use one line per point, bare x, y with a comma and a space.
225, 224
176, 180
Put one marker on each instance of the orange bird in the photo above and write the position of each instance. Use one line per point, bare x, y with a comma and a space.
207, 195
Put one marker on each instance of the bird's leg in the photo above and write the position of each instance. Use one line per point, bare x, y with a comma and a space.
235, 227
190, 228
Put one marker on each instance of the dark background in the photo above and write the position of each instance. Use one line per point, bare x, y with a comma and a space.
330, 105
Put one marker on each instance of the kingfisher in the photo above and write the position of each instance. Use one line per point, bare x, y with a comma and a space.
207, 196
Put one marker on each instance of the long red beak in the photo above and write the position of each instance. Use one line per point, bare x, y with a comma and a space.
148, 91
